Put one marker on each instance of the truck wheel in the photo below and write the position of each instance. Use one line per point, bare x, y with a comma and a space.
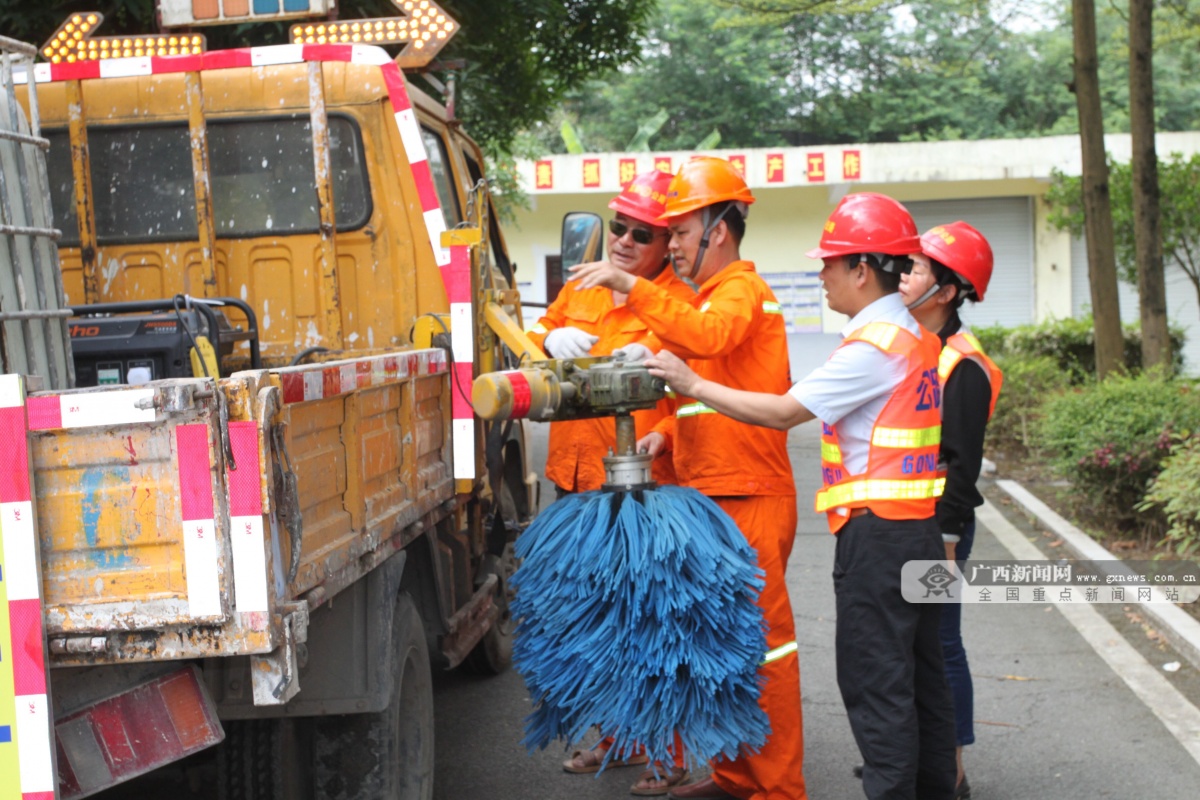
386, 755
493, 654
266, 759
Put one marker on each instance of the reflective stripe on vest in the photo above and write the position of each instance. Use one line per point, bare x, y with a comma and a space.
906, 437
779, 652
859, 491
880, 334
538, 328
692, 409
771, 308
831, 452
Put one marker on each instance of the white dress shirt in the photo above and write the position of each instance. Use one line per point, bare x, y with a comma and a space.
850, 390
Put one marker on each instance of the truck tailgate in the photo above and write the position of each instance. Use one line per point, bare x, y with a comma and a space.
131, 508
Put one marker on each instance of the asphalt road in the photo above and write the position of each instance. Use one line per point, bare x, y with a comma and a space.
1053, 720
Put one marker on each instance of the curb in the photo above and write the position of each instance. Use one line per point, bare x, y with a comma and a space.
1180, 628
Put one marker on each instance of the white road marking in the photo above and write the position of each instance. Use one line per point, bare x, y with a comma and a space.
1175, 711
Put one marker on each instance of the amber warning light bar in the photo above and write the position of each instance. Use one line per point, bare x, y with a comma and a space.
424, 26
73, 41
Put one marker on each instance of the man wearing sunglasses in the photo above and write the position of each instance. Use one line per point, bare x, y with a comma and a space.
732, 332
595, 322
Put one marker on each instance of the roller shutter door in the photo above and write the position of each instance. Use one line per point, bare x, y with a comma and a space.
1007, 222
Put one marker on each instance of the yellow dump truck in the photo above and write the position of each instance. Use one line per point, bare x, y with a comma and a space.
263, 504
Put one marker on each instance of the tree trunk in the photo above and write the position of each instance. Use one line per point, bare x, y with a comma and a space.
1102, 264
1147, 233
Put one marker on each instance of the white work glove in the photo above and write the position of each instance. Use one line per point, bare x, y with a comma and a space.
633, 352
569, 343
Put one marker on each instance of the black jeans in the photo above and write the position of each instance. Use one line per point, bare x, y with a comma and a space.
889, 661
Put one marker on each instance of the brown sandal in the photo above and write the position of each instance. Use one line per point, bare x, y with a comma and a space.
665, 781
585, 762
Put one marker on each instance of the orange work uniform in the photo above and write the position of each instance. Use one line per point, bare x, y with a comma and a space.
733, 332
577, 448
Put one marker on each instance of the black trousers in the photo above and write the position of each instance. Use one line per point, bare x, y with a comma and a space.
889, 661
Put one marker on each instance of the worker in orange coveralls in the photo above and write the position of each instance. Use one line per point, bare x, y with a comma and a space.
732, 332
595, 322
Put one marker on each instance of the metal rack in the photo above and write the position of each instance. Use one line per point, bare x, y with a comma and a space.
33, 317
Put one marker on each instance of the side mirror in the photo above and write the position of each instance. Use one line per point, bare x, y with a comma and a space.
582, 239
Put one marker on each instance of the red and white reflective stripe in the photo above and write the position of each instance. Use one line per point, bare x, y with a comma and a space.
457, 278
334, 378
246, 526
199, 526
23, 656
91, 409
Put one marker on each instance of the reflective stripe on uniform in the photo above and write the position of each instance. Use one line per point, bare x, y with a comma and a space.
860, 491
692, 409
946, 362
880, 334
705, 307
907, 437
831, 453
538, 328
771, 308
779, 652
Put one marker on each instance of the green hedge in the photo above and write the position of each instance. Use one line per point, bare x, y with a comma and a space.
1175, 493
1110, 439
1028, 381
1070, 343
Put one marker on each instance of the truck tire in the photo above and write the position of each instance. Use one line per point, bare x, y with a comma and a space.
493, 654
386, 755
266, 759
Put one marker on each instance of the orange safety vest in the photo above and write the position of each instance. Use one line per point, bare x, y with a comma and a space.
959, 346
900, 481
964, 345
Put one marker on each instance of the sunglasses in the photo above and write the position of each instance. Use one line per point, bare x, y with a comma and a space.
640, 235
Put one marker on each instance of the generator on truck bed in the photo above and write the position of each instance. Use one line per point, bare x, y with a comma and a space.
263, 503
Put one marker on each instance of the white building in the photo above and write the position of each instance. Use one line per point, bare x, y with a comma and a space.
996, 185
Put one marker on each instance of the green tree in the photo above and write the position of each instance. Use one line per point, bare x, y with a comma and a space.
1179, 184
1152, 294
703, 74
826, 71
521, 56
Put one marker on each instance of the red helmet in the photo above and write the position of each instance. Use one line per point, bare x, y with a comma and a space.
868, 223
645, 198
963, 250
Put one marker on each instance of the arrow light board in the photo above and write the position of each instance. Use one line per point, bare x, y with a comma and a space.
424, 25
73, 41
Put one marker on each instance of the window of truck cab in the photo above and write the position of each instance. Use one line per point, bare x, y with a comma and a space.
261, 176
438, 158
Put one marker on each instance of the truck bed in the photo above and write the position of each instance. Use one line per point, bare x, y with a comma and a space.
172, 526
